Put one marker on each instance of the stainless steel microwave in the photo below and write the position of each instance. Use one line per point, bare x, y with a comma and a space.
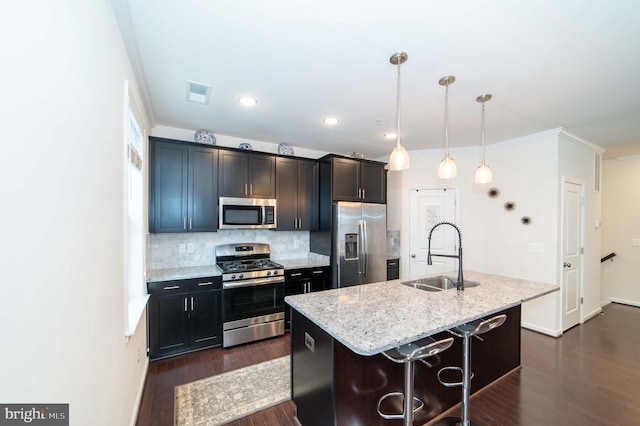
247, 213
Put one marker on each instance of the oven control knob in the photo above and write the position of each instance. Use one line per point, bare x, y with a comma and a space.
275, 272
233, 277
268, 273
241, 276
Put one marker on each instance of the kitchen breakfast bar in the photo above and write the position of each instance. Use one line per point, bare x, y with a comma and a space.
338, 371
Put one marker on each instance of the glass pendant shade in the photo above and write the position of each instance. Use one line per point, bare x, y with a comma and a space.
447, 169
483, 174
399, 159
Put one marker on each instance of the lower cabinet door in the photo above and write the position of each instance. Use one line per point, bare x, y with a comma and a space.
204, 312
168, 325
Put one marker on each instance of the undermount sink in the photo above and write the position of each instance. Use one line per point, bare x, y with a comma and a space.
437, 283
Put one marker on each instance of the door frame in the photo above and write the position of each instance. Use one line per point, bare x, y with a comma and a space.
405, 237
560, 268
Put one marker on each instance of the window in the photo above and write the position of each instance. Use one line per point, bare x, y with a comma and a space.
134, 235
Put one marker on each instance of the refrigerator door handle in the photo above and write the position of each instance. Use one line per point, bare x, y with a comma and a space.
365, 249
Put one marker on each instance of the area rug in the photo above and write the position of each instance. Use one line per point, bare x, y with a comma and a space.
229, 396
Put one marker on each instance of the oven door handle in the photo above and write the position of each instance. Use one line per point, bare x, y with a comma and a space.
252, 283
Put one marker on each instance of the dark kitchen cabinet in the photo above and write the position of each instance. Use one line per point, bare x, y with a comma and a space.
247, 175
348, 179
393, 269
184, 315
297, 194
304, 280
183, 187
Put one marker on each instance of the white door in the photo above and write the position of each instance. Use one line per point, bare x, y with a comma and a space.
572, 208
426, 208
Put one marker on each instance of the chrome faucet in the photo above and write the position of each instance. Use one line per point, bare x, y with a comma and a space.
460, 280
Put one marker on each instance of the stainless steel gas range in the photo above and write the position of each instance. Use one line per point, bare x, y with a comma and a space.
252, 293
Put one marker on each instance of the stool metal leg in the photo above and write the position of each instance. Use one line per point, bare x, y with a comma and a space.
466, 380
408, 393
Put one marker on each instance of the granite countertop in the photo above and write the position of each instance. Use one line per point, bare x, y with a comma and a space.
303, 262
182, 273
372, 318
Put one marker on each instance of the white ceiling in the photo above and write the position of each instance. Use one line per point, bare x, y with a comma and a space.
572, 63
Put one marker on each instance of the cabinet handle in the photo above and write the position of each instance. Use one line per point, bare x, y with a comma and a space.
246, 189
318, 272
185, 304
299, 223
391, 264
207, 283
297, 274
184, 222
309, 290
363, 194
250, 189
190, 222
172, 287
192, 303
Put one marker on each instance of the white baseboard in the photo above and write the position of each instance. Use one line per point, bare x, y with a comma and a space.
587, 317
624, 301
542, 330
134, 417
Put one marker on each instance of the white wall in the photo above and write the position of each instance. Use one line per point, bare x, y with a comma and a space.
576, 162
62, 295
620, 225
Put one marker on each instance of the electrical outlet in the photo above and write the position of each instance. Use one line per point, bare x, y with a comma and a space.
536, 247
182, 248
190, 248
636, 242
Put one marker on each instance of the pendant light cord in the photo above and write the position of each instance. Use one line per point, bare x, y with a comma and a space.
398, 143
446, 120
482, 132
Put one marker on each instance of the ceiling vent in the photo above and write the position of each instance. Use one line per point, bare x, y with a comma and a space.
198, 92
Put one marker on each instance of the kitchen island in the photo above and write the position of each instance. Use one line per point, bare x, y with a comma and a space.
337, 370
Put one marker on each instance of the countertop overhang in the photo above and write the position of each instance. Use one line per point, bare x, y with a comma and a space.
372, 318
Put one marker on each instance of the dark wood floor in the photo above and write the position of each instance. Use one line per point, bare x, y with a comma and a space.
589, 376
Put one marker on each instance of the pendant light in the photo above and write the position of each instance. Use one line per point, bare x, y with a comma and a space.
399, 159
447, 169
483, 174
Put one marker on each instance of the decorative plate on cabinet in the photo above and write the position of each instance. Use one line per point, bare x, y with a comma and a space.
285, 149
205, 136
245, 145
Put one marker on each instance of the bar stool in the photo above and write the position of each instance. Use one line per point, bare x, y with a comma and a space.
466, 331
408, 354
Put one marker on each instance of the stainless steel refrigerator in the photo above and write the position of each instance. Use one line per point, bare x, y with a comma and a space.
358, 243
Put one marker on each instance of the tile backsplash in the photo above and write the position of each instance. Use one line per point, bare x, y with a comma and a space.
164, 250
393, 242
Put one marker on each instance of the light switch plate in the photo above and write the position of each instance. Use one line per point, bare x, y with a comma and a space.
536, 247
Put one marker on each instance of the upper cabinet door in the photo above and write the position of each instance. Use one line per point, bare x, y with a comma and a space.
233, 174
262, 176
203, 190
345, 179
286, 193
168, 187
307, 195
373, 183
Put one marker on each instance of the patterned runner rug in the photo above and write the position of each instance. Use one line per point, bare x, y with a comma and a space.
220, 399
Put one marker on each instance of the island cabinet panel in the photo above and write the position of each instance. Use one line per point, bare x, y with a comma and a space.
359, 381
312, 372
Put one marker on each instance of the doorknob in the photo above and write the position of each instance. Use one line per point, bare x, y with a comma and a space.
567, 265
413, 255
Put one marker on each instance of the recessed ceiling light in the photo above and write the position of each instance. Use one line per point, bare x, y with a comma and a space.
331, 121
247, 101
391, 135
